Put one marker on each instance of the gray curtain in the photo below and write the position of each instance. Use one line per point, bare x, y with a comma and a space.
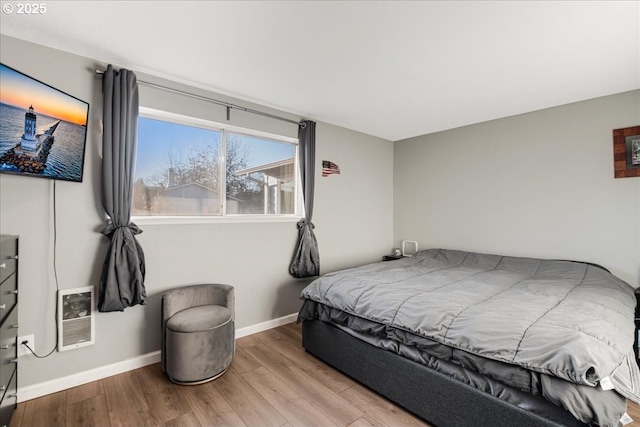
306, 259
122, 279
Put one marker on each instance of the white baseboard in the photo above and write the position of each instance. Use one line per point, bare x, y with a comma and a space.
70, 381
269, 324
63, 383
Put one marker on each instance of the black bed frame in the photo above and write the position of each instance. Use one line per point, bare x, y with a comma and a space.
438, 399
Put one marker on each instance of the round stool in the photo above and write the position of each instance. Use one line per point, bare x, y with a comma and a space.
199, 343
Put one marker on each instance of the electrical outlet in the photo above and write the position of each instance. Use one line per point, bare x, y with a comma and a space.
23, 350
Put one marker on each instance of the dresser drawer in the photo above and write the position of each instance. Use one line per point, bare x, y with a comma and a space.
8, 257
8, 327
7, 268
8, 295
9, 401
8, 339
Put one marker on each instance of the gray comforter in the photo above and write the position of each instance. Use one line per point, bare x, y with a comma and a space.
568, 322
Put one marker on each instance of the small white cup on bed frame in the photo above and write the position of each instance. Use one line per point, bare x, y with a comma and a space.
406, 252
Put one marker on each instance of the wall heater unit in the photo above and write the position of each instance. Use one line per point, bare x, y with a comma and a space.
76, 323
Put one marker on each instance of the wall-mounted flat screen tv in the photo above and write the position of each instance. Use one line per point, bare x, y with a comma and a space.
43, 131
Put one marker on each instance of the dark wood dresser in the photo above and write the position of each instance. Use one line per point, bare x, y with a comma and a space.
8, 327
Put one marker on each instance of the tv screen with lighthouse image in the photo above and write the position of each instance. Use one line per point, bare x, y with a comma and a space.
43, 130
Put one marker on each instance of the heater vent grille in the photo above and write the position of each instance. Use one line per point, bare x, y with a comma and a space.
76, 323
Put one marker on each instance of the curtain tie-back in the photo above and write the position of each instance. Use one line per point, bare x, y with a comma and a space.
304, 222
110, 228
306, 260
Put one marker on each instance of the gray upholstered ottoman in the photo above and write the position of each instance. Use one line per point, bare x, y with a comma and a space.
198, 332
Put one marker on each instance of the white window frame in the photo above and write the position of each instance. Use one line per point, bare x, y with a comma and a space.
180, 119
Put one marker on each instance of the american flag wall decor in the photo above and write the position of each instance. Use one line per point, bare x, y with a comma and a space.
329, 168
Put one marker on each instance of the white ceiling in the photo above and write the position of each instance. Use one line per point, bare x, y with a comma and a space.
390, 69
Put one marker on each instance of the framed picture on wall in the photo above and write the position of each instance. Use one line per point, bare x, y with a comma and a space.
626, 152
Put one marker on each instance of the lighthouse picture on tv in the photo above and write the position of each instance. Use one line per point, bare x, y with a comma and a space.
43, 130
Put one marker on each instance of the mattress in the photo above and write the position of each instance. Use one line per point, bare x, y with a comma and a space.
558, 329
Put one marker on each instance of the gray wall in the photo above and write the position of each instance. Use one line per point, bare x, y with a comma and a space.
353, 218
538, 184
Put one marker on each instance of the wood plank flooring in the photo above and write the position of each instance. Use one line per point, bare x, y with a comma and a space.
271, 382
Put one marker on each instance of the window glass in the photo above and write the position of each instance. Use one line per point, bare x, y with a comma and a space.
179, 172
260, 175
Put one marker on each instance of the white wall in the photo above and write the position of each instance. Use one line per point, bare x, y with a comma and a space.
353, 217
538, 184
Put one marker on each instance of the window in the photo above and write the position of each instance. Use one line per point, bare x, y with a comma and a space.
188, 167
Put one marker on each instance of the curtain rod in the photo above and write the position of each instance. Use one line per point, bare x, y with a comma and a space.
215, 101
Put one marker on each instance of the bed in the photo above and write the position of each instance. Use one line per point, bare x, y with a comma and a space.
463, 338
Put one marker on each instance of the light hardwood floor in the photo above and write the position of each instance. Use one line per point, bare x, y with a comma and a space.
271, 382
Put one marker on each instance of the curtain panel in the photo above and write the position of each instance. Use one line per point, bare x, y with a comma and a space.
306, 258
122, 278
